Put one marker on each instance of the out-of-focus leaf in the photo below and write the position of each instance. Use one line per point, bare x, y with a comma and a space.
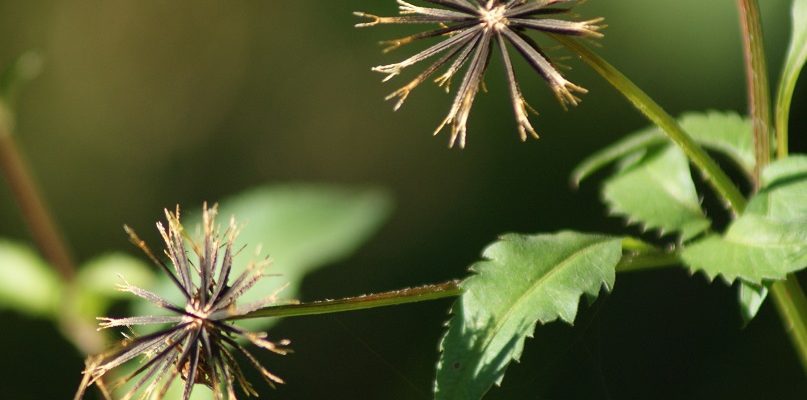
97, 280
200, 392
301, 227
657, 192
27, 283
751, 298
20, 71
523, 280
770, 239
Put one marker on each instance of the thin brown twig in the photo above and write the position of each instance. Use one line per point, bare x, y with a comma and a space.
756, 75
34, 210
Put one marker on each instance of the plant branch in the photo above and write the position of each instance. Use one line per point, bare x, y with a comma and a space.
708, 167
788, 295
32, 206
45, 233
384, 299
759, 102
792, 306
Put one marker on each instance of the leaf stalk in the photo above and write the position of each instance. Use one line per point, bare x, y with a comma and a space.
375, 300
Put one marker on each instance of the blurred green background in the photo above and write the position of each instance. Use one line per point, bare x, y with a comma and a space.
146, 104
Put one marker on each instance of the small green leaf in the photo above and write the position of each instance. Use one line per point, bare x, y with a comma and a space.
97, 280
523, 280
725, 132
783, 196
301, 227
751, 298
770, 239
793, 167
657, 191
27, 284
754, 249
629, 145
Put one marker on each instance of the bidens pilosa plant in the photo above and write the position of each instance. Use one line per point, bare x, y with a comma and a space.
522, 280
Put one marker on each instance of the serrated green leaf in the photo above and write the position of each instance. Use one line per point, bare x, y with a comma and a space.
629, 145
793, 167
754, 249
782, 198
27, 284
301, 227
523, 280
770, 239
751, 298
657, 192
97, 280
722, 131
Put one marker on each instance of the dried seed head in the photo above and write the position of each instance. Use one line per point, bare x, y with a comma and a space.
199, 345
469, 29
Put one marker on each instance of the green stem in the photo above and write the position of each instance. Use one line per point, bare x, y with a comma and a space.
759, 102
708, 167
384, 299
783, 100
641, 262
792, 306
788, 295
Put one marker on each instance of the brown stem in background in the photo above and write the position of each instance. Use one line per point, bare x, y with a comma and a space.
47, 237
756, 75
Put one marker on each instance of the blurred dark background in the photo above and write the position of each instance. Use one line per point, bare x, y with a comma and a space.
146, 104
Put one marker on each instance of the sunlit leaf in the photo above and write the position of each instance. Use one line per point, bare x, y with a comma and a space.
770, 239
523, 280
629, 145
27, 284
725, 132
657, 192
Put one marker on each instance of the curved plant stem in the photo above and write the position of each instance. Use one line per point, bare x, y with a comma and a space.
756, 73
33, 208
708, 167
788, 295
391, 298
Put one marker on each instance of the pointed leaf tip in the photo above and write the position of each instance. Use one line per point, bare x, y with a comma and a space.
523, 280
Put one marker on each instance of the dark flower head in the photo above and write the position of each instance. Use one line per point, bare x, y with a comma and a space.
200, 345
469, 29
